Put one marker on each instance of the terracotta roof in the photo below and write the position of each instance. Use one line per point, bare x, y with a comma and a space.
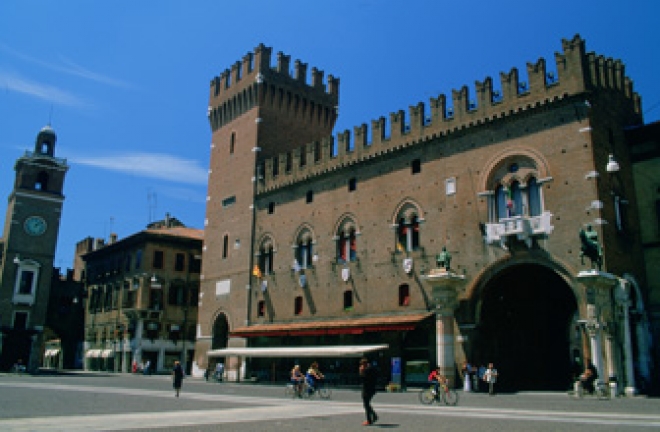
193, 233
344, 326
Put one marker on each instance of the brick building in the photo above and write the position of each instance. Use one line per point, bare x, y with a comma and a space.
142, 293
312, 241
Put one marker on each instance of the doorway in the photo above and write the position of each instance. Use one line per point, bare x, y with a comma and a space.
524, 328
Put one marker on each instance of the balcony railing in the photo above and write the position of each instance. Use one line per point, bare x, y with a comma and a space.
524, 228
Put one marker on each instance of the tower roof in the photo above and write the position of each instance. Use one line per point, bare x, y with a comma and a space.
47, 131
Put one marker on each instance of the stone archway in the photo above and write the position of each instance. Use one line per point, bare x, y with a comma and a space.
220, 332
524, 328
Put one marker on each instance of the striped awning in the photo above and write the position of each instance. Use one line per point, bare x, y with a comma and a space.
297, 352
333, 327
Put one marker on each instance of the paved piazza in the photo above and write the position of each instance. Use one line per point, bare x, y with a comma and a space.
87, 402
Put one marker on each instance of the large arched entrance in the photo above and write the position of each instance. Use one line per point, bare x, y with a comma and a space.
524, 328
220, 332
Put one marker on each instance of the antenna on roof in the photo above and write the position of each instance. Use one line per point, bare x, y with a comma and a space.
151, 205
50, 115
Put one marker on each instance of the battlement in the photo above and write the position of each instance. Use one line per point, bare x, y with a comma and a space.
237, 86
578, 73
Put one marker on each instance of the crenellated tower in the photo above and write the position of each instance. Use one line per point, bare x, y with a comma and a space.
256, 111
292, 111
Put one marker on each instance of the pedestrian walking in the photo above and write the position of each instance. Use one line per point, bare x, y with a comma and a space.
466, 370
177, 377
369, 377
480, 378
490, 376
219, 371
147, 368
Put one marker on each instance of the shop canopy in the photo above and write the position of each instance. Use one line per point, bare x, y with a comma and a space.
93, 353
333, 327
297, 352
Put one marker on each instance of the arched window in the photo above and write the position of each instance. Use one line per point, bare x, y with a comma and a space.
404, 295
266, 257
261, 308
347, 245
534, 191
407, 229
502, 197
516, 207
304, 249
298, 305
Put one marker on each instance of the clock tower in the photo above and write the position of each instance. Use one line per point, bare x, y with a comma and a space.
28, 251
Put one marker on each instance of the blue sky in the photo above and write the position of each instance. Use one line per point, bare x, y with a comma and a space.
125, 83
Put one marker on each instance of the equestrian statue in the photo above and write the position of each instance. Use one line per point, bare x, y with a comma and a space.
591, 248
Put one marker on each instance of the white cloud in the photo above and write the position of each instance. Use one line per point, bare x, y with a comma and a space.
69, 68
48, 93
150, 165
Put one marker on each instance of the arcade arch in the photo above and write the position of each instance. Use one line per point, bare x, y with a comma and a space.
220, 334
525, 324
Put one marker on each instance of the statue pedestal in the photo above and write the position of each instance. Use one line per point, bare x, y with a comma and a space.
445, 287
597, 295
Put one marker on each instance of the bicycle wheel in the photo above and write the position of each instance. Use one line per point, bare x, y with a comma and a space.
426, 397
450, 397
289, 391
307, 391
324, 392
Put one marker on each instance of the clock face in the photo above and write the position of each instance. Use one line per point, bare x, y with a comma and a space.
35, 225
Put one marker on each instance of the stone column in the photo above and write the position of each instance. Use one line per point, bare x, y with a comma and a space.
124, 353
139, 329
623, 302
34, 361
445, 286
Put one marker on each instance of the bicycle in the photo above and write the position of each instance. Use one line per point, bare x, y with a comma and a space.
291, 390
601, 390
445, 394
321, 389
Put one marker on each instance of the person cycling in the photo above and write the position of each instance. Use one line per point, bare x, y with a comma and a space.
297, 379
588, 377
313, 376
436, 378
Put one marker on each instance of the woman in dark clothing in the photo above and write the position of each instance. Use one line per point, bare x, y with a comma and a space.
369, 376
177, 375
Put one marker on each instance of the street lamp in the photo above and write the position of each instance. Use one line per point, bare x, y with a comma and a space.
612, 165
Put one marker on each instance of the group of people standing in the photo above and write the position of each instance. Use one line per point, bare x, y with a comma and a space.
144, 368
477, 378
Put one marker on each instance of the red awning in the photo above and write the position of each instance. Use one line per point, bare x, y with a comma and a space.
333, 327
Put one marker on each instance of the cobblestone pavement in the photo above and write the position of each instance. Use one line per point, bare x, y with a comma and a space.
123, 402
